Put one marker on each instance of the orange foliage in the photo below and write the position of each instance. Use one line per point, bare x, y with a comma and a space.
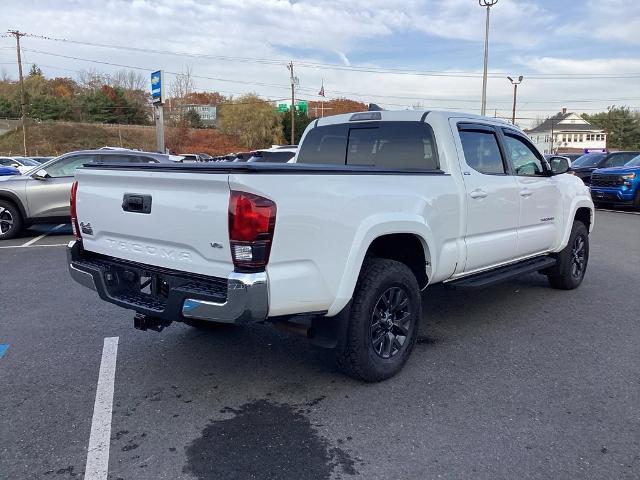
206, 140
204, 98
336, 106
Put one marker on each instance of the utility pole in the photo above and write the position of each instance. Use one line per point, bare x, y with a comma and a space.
488, 4
515, 84
23, 109
293, 103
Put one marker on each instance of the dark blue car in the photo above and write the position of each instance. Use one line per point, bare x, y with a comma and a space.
4, 171
617, 185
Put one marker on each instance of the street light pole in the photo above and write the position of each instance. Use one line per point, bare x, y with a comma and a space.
515, 84
488, 4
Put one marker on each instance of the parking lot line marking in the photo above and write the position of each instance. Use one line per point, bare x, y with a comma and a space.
34, 240
36, 246
616, 211
98, 452
3, 349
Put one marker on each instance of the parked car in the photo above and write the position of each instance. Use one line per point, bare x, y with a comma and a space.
41, 195
584, 166
274, 155
242, 156
22, 164
5, 171
571, 157
41, 159
339, 244
617, 185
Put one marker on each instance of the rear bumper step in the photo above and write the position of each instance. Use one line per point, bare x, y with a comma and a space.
502, 274
241, 298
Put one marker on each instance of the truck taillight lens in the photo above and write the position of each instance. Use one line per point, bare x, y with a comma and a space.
74, 215
252, 220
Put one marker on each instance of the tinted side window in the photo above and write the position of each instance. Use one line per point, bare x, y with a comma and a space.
325, 145
276, 157
481, 152
524, 160
392, 145
618, 160
66, 167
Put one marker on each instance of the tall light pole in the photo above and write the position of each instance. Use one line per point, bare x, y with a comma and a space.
515, 84
488, 4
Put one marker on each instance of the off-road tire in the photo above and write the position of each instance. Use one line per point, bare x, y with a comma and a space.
9, 212
563, 275
355, 353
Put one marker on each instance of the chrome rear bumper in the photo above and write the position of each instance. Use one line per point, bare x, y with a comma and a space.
244, 300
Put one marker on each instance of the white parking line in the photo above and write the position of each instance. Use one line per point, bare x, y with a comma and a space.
616, 211
36, 246
34, 240
98, 453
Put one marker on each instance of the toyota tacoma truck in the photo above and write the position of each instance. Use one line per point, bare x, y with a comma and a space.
338, 245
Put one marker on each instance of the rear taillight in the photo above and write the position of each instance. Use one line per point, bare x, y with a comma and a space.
252, 220
74, 215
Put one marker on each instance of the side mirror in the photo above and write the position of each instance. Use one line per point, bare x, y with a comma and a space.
15, 165
41, 175
559, 164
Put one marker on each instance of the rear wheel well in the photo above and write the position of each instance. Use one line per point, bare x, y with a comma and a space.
405, 248
14, 202
583, 215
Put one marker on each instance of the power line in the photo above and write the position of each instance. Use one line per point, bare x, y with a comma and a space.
336, 92
332, 66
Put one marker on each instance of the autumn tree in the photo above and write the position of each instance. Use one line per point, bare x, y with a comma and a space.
335, 106
255, 121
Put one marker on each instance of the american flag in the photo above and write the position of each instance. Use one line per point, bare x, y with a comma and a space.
321, 92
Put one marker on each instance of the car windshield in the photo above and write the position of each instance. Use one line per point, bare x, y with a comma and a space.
588, 160
28, 162
634, 162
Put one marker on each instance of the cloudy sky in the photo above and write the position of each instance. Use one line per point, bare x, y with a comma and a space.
580, 54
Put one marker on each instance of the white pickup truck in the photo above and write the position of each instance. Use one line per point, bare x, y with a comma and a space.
338, 245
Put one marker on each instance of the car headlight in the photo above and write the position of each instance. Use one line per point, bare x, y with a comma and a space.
628, 176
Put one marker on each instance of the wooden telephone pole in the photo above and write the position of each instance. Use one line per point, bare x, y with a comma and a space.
293, 104
23, 109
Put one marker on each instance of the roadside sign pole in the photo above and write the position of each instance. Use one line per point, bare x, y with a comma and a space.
157, 96
159, 115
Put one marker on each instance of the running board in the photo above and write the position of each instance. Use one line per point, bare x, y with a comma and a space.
501, 274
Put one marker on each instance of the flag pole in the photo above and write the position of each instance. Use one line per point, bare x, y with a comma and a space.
322, 101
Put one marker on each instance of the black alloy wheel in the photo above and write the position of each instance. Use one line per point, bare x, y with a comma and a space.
390, 321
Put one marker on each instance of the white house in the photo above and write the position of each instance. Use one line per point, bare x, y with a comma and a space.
567, 132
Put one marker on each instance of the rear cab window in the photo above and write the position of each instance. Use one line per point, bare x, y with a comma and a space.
384, 145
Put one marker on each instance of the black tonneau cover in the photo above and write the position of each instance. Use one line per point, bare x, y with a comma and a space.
263, 168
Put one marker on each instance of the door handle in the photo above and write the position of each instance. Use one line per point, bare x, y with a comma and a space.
477, 193
526, 193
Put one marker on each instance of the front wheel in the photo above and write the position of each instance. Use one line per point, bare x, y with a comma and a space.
383, 321
10, 220
572, 261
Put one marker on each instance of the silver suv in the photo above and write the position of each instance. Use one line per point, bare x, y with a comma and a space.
41, 195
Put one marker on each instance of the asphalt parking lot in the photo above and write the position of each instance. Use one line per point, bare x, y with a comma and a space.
516, 381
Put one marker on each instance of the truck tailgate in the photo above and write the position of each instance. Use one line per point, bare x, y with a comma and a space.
186, 228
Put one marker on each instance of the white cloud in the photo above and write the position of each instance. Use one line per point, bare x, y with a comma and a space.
610, 20
335, 28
